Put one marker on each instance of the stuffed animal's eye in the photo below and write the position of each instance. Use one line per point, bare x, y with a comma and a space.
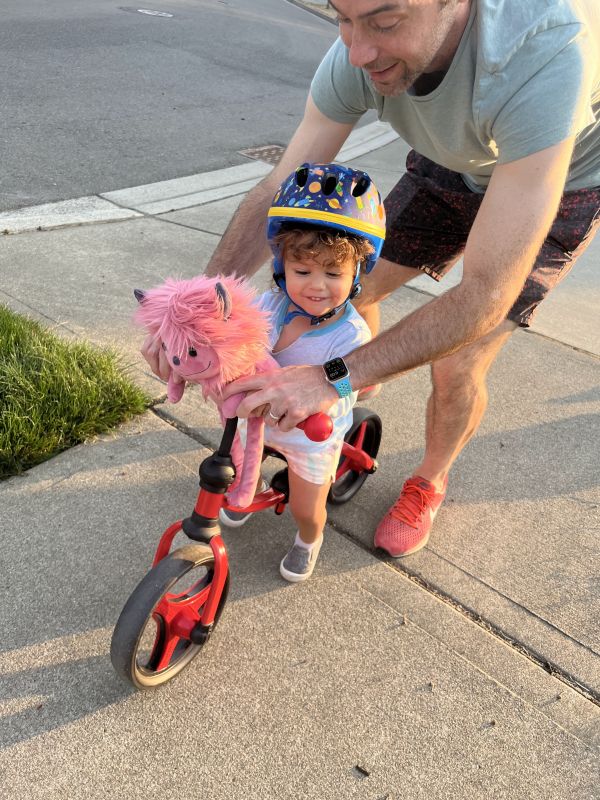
192, 352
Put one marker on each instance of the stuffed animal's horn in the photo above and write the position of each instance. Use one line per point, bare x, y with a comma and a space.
139, 295
225, 299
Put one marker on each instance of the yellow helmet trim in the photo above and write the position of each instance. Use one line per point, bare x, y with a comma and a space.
326, 216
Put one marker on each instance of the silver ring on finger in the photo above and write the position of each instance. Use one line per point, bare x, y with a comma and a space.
276, 417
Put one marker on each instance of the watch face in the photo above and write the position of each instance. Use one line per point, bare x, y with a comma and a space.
335, 369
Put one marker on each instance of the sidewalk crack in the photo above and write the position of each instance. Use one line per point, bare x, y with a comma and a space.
492, 628
465, 659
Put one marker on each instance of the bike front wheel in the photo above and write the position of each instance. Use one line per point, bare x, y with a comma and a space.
148, 646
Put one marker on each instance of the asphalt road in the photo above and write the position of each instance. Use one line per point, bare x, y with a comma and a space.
96, 97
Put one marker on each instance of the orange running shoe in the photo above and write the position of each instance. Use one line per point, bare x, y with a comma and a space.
407, 525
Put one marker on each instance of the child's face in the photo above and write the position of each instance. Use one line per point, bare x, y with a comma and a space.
317, 286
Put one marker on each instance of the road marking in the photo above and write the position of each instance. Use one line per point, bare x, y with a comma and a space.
153, 13
171, 195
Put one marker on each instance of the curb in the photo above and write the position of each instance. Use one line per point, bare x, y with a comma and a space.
172, 195
311, 7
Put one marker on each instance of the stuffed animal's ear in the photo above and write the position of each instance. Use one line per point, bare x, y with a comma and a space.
225, 299
139, 295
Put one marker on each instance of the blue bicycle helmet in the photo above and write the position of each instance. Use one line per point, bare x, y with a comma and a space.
328, 196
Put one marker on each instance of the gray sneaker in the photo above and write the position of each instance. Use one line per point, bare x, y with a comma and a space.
233, 519
299, 563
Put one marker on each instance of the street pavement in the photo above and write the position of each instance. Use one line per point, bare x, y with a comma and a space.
469, 670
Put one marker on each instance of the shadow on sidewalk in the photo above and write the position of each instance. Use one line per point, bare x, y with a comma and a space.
51, 697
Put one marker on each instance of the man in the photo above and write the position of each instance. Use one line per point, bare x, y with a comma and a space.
500, 100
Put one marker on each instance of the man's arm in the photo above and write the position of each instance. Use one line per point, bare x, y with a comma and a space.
243, 247
515, 215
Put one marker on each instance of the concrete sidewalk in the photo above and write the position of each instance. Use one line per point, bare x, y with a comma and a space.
471, 669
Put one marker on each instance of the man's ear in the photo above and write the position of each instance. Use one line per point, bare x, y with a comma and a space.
225, 298
139, 295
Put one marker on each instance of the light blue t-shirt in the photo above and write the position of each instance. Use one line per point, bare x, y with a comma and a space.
526, 76
319, 343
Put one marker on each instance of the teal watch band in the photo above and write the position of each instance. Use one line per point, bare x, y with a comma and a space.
342, 387
338, 375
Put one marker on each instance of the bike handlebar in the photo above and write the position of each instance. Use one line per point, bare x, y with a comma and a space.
317, 427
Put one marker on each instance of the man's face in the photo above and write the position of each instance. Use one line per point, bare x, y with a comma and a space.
396, 41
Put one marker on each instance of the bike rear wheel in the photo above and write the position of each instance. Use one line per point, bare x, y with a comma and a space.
364, 434
147, 647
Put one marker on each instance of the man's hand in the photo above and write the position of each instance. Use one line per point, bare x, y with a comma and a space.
153, 352
292, 394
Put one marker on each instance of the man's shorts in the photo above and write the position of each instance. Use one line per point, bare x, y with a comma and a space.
430, 212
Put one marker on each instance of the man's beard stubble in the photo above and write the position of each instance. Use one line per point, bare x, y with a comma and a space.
399, 86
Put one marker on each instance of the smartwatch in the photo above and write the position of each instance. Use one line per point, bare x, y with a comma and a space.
338, 375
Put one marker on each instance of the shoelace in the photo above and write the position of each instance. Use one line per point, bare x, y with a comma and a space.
412, 502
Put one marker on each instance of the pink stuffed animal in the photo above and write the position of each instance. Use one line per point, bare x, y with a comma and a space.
213, 333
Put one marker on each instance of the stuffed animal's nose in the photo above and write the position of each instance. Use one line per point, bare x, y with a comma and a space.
176, 361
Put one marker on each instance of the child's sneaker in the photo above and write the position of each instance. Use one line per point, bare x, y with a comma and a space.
406, 527
300, 561
233, 519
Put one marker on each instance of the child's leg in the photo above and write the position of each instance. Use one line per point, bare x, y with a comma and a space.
307, 505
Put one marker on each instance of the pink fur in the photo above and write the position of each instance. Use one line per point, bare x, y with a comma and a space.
189, 313
229, 334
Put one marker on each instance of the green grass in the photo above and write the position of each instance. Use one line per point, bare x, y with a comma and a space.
55, 394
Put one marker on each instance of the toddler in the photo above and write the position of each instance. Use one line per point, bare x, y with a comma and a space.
326, 222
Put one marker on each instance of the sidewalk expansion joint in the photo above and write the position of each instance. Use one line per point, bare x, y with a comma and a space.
141, 214
160, 218
563, 344
156, 408
489, 627
542, 620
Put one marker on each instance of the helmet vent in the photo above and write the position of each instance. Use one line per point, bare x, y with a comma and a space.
361, 186
329, 182
302, 175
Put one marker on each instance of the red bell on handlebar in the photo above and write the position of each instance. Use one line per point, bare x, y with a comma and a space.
317, 427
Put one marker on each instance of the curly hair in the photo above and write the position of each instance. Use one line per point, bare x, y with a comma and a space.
303, 243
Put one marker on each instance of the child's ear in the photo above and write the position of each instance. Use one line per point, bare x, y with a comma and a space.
139, 295
225, 298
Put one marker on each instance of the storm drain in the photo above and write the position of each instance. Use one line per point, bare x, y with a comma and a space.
271, 153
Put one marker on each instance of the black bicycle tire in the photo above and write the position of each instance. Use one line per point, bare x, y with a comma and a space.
138, 609
348, 485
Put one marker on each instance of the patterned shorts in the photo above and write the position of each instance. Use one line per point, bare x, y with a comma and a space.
430, 212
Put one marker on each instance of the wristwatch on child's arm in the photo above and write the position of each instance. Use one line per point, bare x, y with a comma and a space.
338, 375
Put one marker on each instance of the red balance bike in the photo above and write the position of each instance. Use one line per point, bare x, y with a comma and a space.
174, 609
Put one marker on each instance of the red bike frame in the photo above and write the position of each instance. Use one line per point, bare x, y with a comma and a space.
181, 617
